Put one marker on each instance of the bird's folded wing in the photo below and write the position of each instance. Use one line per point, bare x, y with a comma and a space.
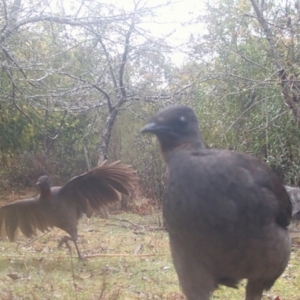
100, 186
25, 215
230, 182
274, 196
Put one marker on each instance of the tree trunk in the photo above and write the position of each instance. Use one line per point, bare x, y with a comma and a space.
106, 134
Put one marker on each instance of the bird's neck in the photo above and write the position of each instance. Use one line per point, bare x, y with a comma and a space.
45, 195
168, 151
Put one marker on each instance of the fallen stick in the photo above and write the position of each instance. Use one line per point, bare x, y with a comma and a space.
89, 256
122, 255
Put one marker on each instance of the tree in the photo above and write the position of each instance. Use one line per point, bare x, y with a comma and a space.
284, 22
243, 101
87, 59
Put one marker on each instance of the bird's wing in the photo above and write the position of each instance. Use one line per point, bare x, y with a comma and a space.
99, 186
285, 207
254, 178
275, 197
27, 215
230, 183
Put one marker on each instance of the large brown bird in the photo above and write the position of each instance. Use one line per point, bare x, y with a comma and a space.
294, 194
62, 206
226, 213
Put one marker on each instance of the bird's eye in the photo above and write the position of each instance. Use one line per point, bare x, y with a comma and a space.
181, 123
182, 119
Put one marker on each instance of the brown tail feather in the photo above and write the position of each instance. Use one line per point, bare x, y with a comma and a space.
100, 186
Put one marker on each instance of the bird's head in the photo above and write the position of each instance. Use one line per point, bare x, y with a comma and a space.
175, 126
44, 182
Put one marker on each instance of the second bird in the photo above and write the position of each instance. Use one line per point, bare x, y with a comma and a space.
62, 206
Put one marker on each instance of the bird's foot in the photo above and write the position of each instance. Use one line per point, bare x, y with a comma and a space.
65, 240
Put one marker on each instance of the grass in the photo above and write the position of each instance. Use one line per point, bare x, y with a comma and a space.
128, 258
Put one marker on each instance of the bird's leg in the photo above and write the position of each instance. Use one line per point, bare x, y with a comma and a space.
254, 290
65, 240
78, 252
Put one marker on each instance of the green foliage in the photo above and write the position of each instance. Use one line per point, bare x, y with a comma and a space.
17, 132
55, 147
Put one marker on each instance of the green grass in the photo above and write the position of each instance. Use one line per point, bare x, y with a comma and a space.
128, 258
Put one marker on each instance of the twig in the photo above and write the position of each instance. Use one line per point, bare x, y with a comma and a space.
90, 256
122, 255
150, 228
32, 240
124, 220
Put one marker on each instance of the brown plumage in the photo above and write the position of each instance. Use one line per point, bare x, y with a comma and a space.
294, 194
226, 212
62, 206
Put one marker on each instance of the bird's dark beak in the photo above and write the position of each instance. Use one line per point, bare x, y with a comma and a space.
155, 128
150, 127
38, 184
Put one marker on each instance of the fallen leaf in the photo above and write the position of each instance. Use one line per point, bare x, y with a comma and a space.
138, 248
13, 276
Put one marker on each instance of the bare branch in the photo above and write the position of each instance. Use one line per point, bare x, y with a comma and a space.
91, 84
269, 36
124, 57
15, 9
56, 19
107, 57
5, 16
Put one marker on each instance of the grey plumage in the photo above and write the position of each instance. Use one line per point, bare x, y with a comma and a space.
226, 213
294, 194
62, 206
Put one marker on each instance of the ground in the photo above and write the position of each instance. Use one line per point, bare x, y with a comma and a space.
127, 257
